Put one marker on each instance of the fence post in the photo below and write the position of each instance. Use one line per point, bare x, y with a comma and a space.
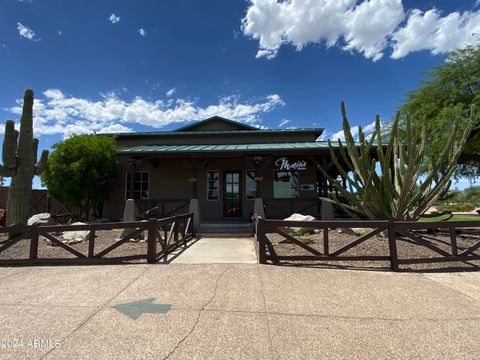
152, 241
175, 230
261, 241
192, 219
34, 244
453, 240
91, 244
392, 245
326, 249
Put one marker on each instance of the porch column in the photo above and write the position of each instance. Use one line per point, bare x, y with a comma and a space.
193, 166
132, 169
259, 166
326, 209
324, 184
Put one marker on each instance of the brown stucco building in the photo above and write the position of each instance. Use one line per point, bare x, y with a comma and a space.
222, 170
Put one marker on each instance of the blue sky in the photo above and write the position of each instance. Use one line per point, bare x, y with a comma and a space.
142, 65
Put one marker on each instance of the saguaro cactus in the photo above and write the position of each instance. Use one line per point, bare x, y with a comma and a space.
20, 162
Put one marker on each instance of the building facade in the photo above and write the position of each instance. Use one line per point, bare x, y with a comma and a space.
222, 170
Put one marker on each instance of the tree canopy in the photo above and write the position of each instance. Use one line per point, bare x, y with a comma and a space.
81, 172
449, 92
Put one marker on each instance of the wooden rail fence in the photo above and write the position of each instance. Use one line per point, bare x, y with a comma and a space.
163, 236
417, 233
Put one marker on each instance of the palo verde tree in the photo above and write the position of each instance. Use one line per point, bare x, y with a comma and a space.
383, 176
81, 172
19, 155
449, 92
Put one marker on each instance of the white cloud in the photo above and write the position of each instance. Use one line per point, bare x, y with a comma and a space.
114, 18
115, 128
171, 92
26, 32
370, 24
368, 27
430, 31
57, 113
59, 32
142, 32
283, 123
354, 130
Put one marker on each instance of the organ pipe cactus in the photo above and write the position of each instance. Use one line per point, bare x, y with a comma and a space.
383, 176
20, 163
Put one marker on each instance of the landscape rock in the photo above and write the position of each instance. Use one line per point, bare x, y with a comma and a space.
300, 217
76, 235
139, 238
349, 231
41, 219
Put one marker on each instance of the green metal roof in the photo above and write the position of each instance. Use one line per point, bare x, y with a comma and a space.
225, 148
240, 125
317, 131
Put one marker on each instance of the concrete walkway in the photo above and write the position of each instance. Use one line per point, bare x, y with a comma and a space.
210, 250
242, 311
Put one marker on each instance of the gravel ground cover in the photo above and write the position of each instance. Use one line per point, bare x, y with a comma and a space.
377, 245
104, 239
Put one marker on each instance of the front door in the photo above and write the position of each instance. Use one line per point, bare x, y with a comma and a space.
232, 194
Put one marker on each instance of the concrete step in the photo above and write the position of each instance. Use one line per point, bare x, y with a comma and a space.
226, 225
223, 235
225, 229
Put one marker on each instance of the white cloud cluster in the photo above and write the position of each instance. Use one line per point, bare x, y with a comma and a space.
368, 27
142, 32
171, 92
283, 123
26, 32
114, 18
60, 114
354, 130
430, 31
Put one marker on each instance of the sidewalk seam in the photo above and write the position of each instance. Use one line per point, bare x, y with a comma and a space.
265, 312
449, 287
199, 314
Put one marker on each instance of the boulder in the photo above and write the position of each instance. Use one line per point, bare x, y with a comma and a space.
75, 236
350, 231
41, 219
300, 217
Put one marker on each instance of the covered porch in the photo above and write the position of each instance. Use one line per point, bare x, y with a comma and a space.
221, 183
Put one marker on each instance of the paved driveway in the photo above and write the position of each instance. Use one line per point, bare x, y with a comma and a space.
236, 311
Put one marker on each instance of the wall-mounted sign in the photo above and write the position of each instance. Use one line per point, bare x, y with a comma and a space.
307, 187
284, 164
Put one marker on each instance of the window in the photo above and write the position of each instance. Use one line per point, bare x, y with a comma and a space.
285, 184
251, 185
141, 185
213, 185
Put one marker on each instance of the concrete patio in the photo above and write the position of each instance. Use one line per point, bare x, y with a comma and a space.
237, 311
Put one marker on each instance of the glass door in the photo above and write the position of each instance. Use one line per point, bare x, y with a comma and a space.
232, 194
